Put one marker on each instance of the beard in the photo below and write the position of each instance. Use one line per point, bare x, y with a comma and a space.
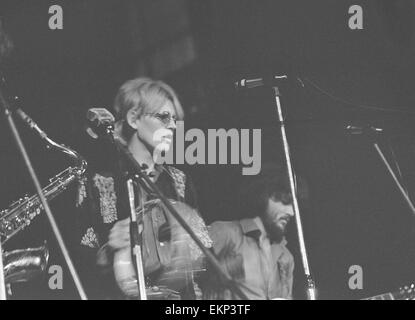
275, 232
163, 153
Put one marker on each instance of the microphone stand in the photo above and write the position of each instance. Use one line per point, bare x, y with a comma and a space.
311, 290
2, 280
136, 239
395, 179
145, 182
55, 229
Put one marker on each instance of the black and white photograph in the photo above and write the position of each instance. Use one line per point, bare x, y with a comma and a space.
218, 151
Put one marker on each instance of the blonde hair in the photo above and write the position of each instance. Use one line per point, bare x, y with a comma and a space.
145, 95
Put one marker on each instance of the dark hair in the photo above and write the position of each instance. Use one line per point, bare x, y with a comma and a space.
272, 183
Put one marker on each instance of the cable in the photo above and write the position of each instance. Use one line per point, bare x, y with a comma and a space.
356, 105
396, 163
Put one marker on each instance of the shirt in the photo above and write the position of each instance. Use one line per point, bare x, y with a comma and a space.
261, 269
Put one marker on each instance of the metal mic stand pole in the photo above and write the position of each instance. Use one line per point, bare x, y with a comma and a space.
2, 280
42, 198
136, 240
311, 289
398, 184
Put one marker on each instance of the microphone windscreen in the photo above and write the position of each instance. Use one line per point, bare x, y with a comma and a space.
97, 119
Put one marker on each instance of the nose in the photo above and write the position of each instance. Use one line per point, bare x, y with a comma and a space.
290, 210
172, 124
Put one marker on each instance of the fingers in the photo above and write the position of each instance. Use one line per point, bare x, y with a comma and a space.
122, 223
118, 241
119, 237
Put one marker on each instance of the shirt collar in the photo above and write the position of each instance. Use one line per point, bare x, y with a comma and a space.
255, 228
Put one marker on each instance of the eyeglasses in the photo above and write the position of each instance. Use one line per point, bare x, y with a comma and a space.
165, 117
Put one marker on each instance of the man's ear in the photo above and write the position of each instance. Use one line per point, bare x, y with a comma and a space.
132, 118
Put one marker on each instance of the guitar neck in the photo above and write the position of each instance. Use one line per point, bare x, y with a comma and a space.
384, 296
405, 293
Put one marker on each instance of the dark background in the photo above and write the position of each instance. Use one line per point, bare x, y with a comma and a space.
354, 216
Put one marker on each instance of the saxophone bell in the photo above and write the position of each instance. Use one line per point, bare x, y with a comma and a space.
23, 265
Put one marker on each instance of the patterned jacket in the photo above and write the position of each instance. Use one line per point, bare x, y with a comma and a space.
103, 200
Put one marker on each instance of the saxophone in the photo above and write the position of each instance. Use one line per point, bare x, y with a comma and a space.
25, 264
23, 211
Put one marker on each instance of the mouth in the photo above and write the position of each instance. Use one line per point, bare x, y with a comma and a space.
283, 221
166, 139
168, 135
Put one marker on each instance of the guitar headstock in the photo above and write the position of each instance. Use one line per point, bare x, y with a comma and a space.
406, 293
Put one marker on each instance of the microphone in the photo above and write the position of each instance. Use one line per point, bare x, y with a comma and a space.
366, 129
257, 82
14, 107
31, 123
100, 120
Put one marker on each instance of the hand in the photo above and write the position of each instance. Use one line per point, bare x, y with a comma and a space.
119, 237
